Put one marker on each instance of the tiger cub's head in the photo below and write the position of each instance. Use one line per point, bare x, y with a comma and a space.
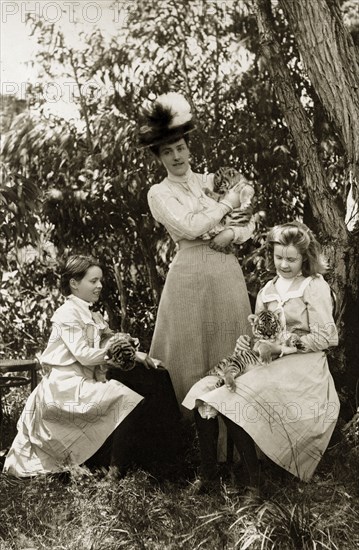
228, 178
225, 178
122, 352
266, 325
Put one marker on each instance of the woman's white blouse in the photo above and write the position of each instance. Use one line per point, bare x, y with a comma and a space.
76, 335
181, 205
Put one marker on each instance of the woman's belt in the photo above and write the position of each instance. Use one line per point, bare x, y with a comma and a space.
185, 243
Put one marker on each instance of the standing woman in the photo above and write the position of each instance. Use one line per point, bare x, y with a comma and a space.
204, 304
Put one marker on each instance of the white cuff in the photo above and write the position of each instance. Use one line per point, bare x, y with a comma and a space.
226, 203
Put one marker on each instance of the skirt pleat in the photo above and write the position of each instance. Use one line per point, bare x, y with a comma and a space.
203, 309
65, 421
289, 408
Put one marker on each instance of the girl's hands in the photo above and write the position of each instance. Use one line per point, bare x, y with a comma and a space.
107, 343
222, 240
244, 342
270, 350
288, 350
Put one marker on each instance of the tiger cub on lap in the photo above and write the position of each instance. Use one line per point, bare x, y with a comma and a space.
267, 328
121, 354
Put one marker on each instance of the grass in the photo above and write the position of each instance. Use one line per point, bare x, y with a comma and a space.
156, 511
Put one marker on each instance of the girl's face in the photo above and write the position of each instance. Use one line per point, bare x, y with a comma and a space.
90, 286
175, 157
287, 260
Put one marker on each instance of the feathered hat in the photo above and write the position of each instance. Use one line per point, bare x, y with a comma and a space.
169, 117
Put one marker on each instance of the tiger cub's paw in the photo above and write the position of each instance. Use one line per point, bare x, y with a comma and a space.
230, 383
264, 351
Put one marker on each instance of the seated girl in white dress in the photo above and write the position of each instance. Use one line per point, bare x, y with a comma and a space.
70, 418
289, 407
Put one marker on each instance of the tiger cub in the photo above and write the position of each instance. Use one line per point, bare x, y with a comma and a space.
121, 354
267, 328
224, 179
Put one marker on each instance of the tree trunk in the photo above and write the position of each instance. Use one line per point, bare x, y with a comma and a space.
340, 246
325, 210
330, 59
150, 262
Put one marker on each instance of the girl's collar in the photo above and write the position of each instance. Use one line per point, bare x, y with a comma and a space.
180, 179
79, 301
295, 290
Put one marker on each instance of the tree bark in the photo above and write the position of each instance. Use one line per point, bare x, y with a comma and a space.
340, 246
324, 207
330, 59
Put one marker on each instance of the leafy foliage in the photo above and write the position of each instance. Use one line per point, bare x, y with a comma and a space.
28, 298
87, 179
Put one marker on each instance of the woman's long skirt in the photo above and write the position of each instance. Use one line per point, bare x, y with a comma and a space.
203, 309
289, 408
66, 419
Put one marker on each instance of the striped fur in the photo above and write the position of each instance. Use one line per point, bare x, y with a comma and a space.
225, 179
121, 354
266, 327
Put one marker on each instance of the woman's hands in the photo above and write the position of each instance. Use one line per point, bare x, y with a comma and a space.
147, 361
222, 240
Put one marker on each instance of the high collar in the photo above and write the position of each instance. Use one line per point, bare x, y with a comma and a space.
180, 179
84, 306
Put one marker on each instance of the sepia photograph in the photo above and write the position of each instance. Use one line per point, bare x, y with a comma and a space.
179, 275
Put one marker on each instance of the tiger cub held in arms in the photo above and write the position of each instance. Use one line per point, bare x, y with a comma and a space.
225, 179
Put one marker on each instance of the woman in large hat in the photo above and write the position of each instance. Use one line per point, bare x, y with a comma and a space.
204, 304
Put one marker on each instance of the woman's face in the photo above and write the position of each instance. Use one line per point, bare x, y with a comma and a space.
287, 260
175, 157
90, 286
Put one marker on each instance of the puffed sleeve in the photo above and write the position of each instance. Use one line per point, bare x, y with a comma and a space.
168, 210
323, 332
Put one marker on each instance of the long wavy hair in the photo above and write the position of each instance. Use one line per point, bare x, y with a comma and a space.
299, 235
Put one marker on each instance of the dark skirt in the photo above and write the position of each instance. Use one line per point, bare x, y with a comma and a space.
150, 435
